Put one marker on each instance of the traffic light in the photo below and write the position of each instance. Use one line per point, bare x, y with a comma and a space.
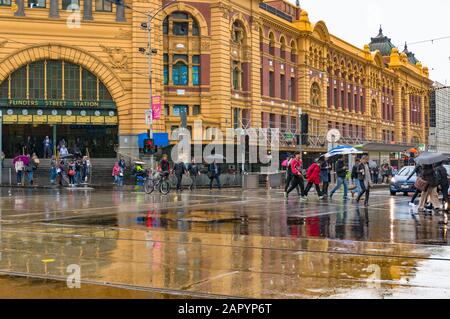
149, 146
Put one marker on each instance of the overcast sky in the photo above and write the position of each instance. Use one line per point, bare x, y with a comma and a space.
357, 20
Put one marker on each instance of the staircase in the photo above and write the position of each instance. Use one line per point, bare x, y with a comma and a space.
101, 169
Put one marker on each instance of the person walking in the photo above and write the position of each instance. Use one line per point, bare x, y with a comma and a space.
194, 172
86, 169
115, 173
60, 170
365, 180
355, 179
47, 144
429, 194
341, 173
375, 172
53, 170
71, 173
32, 166
2, 159
297, 177
313, 178
418, 172
122, 167
325, 176
179, 169
214, 174
78, 168
19, 167
290, 175
443, 183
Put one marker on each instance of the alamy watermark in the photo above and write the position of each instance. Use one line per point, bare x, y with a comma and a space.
211, 145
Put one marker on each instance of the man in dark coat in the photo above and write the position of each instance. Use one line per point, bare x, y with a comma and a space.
214, 174
179, 169
443, 182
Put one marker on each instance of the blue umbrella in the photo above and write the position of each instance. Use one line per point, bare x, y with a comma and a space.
342, 150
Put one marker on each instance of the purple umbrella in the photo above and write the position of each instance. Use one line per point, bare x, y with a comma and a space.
25, 159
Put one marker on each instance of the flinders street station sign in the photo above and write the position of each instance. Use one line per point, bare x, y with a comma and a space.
28, 111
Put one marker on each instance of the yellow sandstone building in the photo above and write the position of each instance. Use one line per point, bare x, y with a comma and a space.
78, 69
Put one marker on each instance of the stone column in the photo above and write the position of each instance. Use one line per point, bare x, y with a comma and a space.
120, 13
54, 9
87, 12
20, 8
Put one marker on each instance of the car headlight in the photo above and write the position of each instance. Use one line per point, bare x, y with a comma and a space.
393, 180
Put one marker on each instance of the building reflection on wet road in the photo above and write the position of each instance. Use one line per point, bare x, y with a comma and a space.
229, 244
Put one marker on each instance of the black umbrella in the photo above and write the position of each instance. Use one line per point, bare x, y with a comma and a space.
428, 158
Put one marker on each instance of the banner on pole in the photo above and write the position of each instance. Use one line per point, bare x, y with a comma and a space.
156, 107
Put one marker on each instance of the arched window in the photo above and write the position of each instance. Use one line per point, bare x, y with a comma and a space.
293, 52
315, 95
54, 80
183, 67
237, 76
180, 73
271, 44
283, 48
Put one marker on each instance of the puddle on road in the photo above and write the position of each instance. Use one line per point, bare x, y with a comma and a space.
12, 287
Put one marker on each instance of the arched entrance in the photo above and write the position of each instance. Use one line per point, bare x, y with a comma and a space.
61, 100
64, 88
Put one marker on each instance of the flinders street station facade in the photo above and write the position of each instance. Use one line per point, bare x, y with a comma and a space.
76, 68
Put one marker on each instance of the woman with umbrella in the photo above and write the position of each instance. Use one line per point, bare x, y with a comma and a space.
429, 181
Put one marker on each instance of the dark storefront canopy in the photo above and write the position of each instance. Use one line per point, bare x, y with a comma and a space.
391, 148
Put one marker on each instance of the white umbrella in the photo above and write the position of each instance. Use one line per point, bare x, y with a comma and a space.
342, 150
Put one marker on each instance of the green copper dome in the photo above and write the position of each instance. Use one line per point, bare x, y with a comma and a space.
411, 57
381, 43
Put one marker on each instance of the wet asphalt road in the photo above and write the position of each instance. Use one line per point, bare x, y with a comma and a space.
250, 244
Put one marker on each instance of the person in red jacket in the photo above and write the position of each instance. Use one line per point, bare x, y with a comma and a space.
313, 177
297, 179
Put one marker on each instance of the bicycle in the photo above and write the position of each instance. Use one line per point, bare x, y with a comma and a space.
158, 182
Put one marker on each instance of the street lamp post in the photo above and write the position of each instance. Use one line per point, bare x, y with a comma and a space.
150, 52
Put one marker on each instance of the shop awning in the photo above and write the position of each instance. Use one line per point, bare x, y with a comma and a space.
391, 148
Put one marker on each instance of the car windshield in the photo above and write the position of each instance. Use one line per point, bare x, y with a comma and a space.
406, 171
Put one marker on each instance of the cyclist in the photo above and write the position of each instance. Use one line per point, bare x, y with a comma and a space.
164, 166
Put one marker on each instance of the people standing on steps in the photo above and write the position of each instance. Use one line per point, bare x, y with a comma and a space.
297, 177
341, 173
313, 178
365, 180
